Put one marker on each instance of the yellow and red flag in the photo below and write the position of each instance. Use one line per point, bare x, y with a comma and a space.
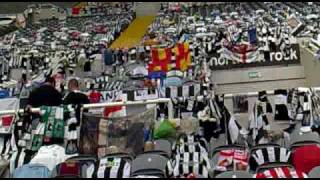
183, 56
161, 58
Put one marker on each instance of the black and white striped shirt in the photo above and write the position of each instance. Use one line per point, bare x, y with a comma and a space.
187, 163
110, 168
190, 143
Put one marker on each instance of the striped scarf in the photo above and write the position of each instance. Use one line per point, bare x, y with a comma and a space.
269, 155
282, 172
187, 163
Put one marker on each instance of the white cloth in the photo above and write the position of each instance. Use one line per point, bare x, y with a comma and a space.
9, 104
50, 156
233, 129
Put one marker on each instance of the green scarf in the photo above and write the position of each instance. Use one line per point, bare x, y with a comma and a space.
54, 128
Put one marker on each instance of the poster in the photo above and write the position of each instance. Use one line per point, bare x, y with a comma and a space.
218, 61
240, 104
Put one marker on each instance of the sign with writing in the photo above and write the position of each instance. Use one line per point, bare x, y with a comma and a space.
220, 62
253, 75
112, 96
145, 94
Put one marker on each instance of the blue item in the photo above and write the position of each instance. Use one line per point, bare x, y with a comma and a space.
32, 171
108, 60
157, 75
173, 81
4, 94
252, 33
146, 134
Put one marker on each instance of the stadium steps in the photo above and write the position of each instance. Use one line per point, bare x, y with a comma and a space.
133, 35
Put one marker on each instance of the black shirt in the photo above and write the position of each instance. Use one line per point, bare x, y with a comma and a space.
45, 96
87, 66
76, 98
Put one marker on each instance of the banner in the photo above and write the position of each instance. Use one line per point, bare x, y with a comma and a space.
160, 60
164, 59
225, 59
87, 10
183, 56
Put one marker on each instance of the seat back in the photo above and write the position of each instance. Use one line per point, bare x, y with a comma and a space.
314, 173
149, 172
304, 139
149, 161
234, 174
163, 145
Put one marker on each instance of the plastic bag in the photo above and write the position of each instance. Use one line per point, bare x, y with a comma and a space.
164, 130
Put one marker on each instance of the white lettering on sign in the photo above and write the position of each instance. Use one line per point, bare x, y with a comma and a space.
228, 60
293, 54
254, 75
219, 61
278, 56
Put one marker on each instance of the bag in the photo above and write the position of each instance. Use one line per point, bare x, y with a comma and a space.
165, 130
84, 162
68, 169
32, 171
4, 94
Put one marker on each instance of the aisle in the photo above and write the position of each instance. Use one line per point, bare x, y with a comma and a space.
134, 33
311, 67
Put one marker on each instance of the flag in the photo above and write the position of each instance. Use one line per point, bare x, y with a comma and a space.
252, 35
161, 58
240, 53
258, 123
233, 127
183, 56
233, 130
75, 11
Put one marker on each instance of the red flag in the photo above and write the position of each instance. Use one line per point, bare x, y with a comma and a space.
242, 50
75, 11
160, 60
183, 57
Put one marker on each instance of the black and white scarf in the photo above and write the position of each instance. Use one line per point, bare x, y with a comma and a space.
281, 109
259, 122
269, 155
187, 163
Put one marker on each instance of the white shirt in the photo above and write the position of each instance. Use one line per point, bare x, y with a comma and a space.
50, 156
